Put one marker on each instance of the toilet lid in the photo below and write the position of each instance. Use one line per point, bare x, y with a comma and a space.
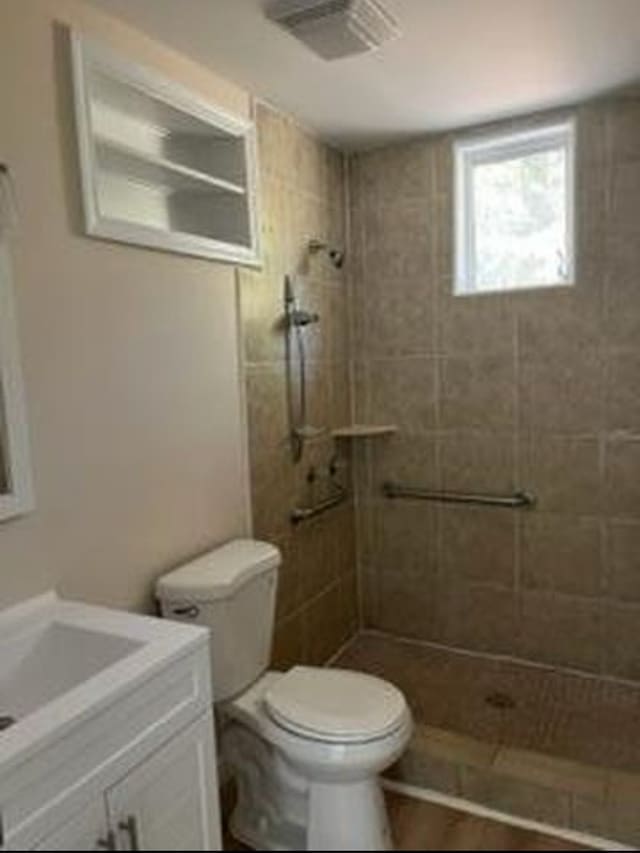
335, 705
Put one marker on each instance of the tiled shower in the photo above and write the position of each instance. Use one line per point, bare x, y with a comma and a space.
531, 390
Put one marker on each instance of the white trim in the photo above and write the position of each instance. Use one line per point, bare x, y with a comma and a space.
13, 429
87, 58
470, 152
580, 838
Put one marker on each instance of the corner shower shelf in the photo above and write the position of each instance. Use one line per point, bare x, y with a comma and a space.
364, 431
160, 166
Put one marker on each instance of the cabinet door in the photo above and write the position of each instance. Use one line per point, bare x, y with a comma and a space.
170, 801
85, 831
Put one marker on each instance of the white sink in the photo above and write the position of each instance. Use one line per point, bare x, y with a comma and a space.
43, 662
62, 661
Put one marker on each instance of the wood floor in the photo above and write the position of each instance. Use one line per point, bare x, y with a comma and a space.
418, 825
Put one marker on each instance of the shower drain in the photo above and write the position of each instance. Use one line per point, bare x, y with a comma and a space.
500, 700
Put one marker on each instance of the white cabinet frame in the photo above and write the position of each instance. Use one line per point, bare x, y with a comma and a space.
90, 59
13, 419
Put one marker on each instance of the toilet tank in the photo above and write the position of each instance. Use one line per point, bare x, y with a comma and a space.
231, 590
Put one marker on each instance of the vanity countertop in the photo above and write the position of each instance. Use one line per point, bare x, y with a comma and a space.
62, 662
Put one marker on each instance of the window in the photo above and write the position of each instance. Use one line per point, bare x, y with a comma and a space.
514, 210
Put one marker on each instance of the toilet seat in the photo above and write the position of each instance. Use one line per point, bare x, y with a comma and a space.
334, 705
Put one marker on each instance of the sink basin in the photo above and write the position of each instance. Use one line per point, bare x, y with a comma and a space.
63, 661
42, 663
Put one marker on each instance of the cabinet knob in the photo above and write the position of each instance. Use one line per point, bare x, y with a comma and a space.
108, 843
130, 826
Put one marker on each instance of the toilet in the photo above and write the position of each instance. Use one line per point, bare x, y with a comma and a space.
305, 746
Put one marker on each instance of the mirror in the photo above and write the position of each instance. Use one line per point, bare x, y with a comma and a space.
16, 493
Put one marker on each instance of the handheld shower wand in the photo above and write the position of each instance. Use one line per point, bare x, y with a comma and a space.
296, 319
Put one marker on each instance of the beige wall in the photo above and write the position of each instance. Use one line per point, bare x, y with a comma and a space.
302, 193
130, 356
530, 390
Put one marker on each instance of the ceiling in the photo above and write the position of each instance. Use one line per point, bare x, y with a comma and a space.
458, 61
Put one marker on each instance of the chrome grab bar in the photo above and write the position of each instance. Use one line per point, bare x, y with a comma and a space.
304, 513
516, 500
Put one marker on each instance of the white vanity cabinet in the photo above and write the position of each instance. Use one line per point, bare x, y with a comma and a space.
165, 803
126, 759
89, 830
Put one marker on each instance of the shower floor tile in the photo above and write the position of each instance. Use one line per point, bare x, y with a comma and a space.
581, 718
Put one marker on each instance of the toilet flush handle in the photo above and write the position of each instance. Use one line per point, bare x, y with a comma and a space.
191, 611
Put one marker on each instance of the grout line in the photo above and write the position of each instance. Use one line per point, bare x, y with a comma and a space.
460, 804
503, 658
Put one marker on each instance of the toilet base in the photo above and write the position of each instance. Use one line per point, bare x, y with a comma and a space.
348, 817
278, 809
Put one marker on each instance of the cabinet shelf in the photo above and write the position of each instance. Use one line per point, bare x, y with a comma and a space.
160, 166
152, 170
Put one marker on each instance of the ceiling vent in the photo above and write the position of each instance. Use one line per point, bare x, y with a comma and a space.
335, 28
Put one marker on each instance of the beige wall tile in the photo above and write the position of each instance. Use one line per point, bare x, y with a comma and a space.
406, 459
397, 317
302, 188
478, 461
398, 241
623, 641
479, 617
624, 817
326, 625
558, 327
623, 545
399, 172
625, 198
407, 606
262, 312
562, 394
289, 642
403, 392
622, 306
479, 324
478, 392
562, 471
405, 538
561, 630
477, 545
563, 553
622, 483
623, 391
272, 491
267, 407
558, 365
624, 125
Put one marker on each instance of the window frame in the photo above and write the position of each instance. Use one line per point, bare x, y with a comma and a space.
492, 148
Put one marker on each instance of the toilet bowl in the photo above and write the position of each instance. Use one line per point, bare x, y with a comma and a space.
305, 746
330, 733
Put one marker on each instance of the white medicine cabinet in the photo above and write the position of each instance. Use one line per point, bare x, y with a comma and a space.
160, 166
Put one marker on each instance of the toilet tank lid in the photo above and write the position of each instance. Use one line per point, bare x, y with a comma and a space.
218, 573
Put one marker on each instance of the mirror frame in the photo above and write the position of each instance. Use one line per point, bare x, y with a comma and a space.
13, 424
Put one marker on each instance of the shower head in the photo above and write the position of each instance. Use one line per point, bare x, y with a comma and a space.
336, 256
